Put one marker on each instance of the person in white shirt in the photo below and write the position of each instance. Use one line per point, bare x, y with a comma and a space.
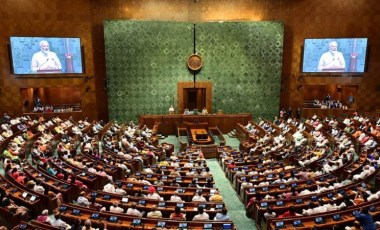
323, 187
329, 167
347, 121
188, 165
148, 170
269, 213
144, 182
370, 144
116, 209
154, 213
174, 164
198, 197
91, 169
45, 60
133, 211
58, 223
245, 184
152, 194
120, 191
176, 198
201, 216
82, 200
315, 209
39, 188
280, 179
366, 172
373, 194
109, 187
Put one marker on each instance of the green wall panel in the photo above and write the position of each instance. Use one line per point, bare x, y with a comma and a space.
243, 60
145, 60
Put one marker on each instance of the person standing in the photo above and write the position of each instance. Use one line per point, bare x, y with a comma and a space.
298, 113
365, 219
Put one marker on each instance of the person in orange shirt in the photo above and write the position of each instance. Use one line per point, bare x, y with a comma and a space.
177, 214
42, 148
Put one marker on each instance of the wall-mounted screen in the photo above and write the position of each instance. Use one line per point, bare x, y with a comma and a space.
46, 55
334, 55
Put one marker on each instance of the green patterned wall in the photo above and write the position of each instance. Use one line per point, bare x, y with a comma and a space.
145, 60
243, 60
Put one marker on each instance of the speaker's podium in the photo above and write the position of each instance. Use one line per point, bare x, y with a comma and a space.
49, 71
339, 70
201, 136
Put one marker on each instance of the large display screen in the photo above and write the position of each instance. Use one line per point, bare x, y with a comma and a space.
336, 55
46, 55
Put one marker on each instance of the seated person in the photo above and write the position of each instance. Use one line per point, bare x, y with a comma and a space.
291, 212
153, 194
12, 207
58, 223
222, 216
216, 197
177, 214
116, 209
176, 198
154, 213
198, 197
44, 217
82, 200
204, 111
109, 187
133, 211
201, 216
171, 109
120, 190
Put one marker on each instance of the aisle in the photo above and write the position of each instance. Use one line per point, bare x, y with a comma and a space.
236, 209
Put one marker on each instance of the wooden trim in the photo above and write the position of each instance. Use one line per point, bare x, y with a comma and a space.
186, 85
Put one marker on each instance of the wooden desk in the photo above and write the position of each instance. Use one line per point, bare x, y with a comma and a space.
347, 218
200, 136
225, 122
190, 208
124, 221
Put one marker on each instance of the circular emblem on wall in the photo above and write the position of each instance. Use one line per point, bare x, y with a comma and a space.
194, 62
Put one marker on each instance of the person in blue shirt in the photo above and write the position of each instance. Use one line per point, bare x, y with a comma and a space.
365, 219
222, 216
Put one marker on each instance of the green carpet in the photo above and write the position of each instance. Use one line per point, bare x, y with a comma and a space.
236, 209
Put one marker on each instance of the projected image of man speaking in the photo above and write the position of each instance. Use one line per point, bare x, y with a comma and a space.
332, 60
45, 60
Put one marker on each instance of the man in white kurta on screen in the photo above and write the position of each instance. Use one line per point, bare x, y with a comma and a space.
45, 60
332, 59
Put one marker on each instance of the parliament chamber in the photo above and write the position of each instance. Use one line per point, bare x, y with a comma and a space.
189, 114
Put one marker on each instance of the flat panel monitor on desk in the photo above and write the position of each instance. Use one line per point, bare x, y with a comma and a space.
227, 226
113, 219
182, 225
